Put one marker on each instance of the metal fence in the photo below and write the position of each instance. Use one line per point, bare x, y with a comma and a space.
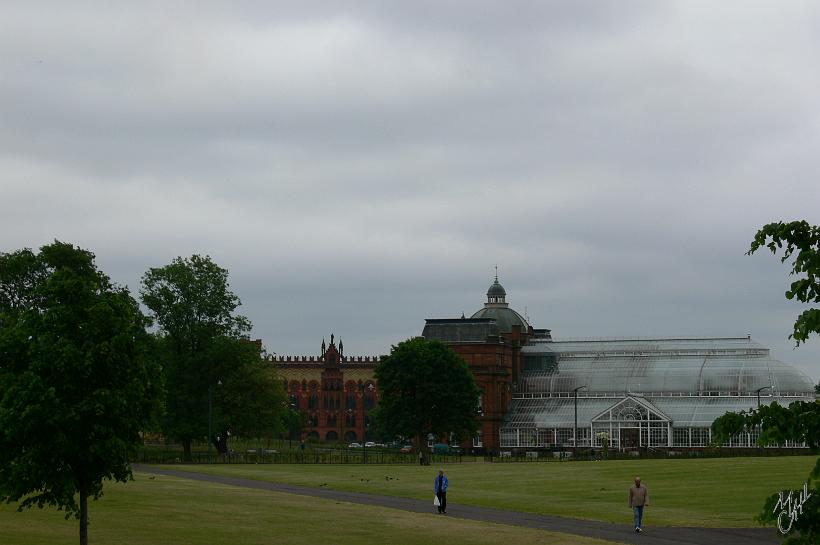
313, 456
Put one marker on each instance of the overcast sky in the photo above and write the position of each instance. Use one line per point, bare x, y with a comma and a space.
359, 167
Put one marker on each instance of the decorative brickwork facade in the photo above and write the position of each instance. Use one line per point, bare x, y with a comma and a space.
334, 392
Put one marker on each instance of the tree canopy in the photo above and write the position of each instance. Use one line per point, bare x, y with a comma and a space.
76, 384
207, 358
425, 388
799, 241
800, 421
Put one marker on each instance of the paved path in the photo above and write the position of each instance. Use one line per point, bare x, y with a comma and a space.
603, 530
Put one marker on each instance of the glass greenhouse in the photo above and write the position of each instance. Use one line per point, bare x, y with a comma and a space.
643, 393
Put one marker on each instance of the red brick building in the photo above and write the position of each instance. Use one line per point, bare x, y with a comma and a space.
490, 342
335, 392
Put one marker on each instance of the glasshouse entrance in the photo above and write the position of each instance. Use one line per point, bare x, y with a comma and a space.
631, 423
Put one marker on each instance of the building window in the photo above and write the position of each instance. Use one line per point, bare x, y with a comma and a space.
331, 419
478, 440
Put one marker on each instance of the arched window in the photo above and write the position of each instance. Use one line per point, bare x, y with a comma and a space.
331, 419
351, 401
313, 400
350, 419
314, 435
332, 436
350, 436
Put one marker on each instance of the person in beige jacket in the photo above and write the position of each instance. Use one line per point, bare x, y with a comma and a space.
638, 499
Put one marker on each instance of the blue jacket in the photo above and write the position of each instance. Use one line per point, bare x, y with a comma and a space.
444, 484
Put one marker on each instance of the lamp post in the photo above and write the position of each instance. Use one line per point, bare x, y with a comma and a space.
364, 443
370, 388
210, 415
758, 393
293, 415
575, 433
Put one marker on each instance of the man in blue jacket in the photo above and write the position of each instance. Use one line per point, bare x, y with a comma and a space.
440, 487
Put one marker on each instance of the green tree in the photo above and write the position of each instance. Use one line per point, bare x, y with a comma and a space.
206, 354
249, 400
76, 384
425, 388
800, 421
799, 241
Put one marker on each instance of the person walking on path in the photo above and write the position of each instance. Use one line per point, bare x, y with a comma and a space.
638, 499
440, 486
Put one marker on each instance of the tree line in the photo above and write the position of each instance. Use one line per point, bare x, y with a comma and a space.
84, 373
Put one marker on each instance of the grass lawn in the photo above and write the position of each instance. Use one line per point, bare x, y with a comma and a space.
716, 492
167, 510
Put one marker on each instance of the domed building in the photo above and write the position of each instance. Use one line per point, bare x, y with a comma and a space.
626, 393
496, 308
490, 341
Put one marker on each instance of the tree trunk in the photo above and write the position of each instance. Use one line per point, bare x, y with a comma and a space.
186, 450
83, 513
420, 444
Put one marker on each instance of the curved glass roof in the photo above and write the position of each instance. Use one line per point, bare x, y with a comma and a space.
701, 366
559, 412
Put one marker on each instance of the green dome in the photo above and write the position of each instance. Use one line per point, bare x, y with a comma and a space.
496, 290
497, 309
504, 317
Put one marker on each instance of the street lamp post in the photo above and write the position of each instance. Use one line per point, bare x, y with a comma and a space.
364, 443
758, 393
290, 431
370, 388
575, 433
210, 415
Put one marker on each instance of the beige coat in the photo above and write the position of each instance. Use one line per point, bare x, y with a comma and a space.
638, 496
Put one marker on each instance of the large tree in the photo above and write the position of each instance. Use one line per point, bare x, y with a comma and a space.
800, 421
76, 384
248, 399
208, 361
425, 388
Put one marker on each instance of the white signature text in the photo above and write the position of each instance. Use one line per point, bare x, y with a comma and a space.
790, 505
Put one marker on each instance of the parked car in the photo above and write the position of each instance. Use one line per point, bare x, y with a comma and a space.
443, 448
354, 445
370, 444
406, 449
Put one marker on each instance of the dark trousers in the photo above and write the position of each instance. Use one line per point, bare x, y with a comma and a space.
442, 498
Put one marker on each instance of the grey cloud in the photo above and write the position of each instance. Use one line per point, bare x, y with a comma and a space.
359, 167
